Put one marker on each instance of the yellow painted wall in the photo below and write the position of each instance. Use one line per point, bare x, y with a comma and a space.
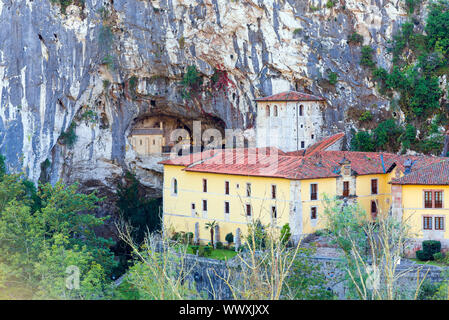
178, 213
177, 208
325, 186
364, 196
413, 208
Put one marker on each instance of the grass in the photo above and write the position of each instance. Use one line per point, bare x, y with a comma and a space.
430, 262
217, 254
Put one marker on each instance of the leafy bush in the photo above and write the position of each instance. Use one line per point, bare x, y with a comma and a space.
69, 137
367, 57
256, 230
191, 82
439, 256
285, 233
195, 249
330, 4
427, 290
366, 116
429, 248
219, 245
362, 141
333, 77
229, 238
355, 38
207, 251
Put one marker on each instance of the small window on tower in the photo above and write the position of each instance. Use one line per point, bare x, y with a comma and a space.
302, 144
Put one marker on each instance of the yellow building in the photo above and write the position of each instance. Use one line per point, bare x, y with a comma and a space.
420, 198
237, 186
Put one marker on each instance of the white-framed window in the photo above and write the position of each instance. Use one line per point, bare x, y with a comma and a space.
248, 189
273, 191
204, 203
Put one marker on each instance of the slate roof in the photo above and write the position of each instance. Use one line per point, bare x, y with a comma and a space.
291, 96
434, 174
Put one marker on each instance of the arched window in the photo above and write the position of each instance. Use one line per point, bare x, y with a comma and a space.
301, 110
275, 112
175, 186
267, 111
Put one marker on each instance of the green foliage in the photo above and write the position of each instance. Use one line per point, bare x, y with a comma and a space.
314, 8
141, 213
297, 31
69, 137
65, 3
285, 233
428, 290
387, 135
439, 256
229, 238
219, 245
412, 4
256, 237
333, 77
419, 59
330, 4
2, 165
133, 86
363, 141
306, 281
367, 57
355, 38
429, 248
191, 82
408, 138
40, 238
366, 116
89, 116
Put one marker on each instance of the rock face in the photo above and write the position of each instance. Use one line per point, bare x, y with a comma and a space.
109, 63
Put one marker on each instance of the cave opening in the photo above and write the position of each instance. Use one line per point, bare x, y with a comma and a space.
162, 134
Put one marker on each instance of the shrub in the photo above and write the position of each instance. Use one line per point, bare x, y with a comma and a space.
333, 77
207, 251
367, 57
195, 249
285, 233
366, 116
219, 245
229, 238
429, 248
69, 137
355, 38
297, 31
330, 4
439, 256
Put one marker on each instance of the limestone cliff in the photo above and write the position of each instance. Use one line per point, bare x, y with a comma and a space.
106, 63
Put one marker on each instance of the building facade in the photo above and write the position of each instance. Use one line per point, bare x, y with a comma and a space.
290, 120
203, 187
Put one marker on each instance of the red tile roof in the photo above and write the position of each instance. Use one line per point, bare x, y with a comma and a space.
320, 164
434, 174
324, 144
291, 96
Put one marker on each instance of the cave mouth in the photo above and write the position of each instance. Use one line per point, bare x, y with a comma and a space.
159, 134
